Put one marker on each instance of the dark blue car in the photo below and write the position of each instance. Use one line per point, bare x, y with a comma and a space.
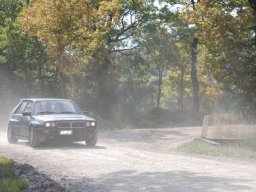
39, 120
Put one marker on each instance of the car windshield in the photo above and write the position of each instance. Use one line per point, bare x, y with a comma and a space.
56, 107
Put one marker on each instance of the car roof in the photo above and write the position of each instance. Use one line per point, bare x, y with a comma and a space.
44, 99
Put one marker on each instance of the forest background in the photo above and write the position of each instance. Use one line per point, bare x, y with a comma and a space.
138, 63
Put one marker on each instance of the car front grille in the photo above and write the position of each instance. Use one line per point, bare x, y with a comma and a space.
64, 125
78, 124
70, 125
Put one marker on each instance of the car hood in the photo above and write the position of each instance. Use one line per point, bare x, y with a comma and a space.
63, 117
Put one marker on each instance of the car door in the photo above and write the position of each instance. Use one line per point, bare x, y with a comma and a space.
25, 120
16, 118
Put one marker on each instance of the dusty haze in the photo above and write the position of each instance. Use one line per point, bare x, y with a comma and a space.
8, 98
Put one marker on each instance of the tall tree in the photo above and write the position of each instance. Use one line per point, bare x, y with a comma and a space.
105, 77
159, 52
65, 26
253, 6
9, 10
194, 78
23, 55
226, 28
170, 10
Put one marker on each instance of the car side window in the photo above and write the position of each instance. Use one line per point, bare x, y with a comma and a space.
22, 107
28, 108
17, 108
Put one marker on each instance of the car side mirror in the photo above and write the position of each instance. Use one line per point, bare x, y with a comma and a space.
26, 114
86, 112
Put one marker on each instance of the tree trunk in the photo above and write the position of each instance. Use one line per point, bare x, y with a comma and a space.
61, 83
41, 79
253, 6
41, 75
160, 81
61, 77
196, 101
181, 89
106, 92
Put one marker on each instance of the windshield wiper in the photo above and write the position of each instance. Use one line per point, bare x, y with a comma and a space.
67, 112
46, 112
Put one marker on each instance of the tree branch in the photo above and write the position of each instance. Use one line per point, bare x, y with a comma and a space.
125, 49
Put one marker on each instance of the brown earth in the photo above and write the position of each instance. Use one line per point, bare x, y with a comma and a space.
134, 160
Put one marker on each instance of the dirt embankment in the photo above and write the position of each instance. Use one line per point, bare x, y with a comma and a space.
37, 182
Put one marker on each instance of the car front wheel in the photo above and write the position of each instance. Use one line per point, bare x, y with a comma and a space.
11, 136
33, 139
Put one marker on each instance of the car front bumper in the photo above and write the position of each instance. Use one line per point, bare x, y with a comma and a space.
69, 134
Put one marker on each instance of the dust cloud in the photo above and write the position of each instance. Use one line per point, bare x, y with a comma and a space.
6, 106
8, 96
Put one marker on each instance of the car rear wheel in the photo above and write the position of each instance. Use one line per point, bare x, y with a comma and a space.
33, 139
11, 136
91, 140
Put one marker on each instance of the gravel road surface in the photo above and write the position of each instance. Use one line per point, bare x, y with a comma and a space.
139, 160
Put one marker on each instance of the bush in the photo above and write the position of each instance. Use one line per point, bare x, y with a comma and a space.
8, 181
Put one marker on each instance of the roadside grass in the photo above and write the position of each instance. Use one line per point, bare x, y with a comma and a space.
8, 181
246, 151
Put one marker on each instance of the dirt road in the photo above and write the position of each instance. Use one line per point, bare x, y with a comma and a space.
135, 161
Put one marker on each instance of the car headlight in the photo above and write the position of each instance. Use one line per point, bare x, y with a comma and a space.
87, 124
93, 124
50, 124
47, 124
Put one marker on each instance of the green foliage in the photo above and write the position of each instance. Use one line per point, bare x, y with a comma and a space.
6, 166
70, 28
25, 56
9, 9
65, 24
115, 83
8, 13
8, 181
158, 50
226, 31
123, 58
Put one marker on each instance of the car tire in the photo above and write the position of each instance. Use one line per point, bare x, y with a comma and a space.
91, 140
11, 136
33, 138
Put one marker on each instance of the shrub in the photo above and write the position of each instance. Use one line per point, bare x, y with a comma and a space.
8, 181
